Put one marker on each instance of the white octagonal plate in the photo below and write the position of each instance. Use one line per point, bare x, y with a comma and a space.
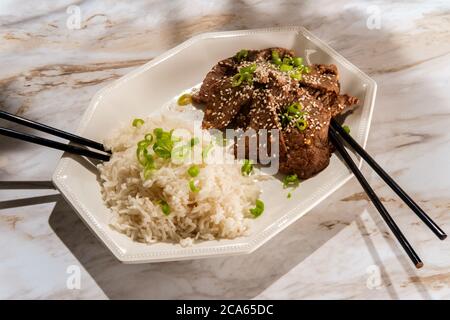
153, 85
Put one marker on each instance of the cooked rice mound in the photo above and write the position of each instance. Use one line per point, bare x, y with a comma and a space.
219, 210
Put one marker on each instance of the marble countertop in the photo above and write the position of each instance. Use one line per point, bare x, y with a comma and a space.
56, 54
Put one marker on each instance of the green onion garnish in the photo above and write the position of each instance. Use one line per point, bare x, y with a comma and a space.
293, 112
148, 169
276, 58
138, 122
162, 151
286, 67
289, 195
285, 119
184, 99
164, 207
236, 80
163, 144
296, 75
193, 171
258, 209
291, 181
295, 108
346, 128
193, 187
148, 137
158, 132
293, 65
241, 54
287, 60
297, 61
247, 167
249, 69
143, 144
142, 153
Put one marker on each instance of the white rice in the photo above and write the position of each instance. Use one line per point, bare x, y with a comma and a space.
219, 210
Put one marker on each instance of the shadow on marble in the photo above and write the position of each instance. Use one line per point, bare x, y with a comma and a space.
238, 277
400, 254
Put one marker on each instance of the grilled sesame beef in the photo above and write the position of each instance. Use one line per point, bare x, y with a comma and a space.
308, 151
221, 70
324, 77
224, 103
262, 102
335, 103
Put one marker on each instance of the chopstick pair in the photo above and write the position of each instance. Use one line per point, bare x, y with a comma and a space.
50, 143
337, 133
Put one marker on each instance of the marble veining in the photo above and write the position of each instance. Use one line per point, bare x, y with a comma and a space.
341, 249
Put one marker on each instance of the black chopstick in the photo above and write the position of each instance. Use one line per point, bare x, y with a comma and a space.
53, 144
389, 181
375, 200
56, 132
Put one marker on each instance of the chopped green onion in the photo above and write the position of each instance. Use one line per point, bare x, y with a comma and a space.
247, 77
148, 169
143, 144
288, 63
236, 80
164, 207
346, 128
241, 54
193, 171
296, 75
138, 122
162, 152
158, 132
258, 209
194, 141
286, 67
163, 144
294, 108
287, 60
142, 153
193, 187
297, 61
247, 167
184, 99
249, 69
148, 137
291, 181
301, 124
276, 58
293, 112
245, 74
289, 195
